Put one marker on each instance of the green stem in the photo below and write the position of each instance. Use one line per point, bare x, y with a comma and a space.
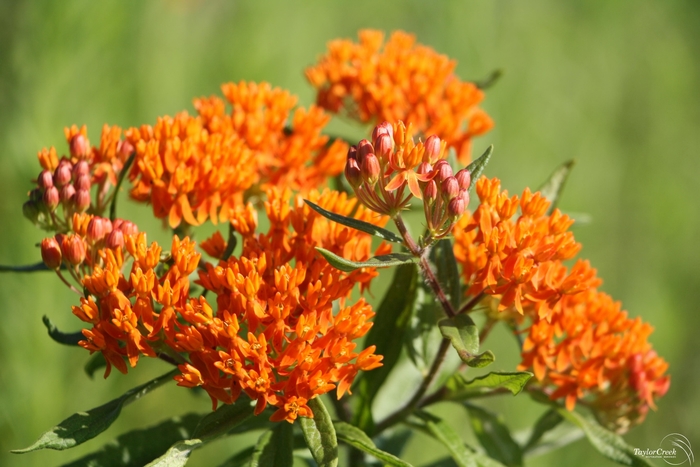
122, 174
25, 268
471, 304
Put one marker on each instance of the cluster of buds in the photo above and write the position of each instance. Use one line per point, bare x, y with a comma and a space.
68, 185
381, 171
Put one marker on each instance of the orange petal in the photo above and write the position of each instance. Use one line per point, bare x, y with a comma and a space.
397, 182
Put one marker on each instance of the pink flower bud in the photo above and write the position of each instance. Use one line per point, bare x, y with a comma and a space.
73, 249
353, 173
51, 198
352, 152
51, 253
128, 228
107, 225
433, 147
67, 193
384, 128
430, 192
384, 144
96, 229
117, 223
450, 188
456, 207
370, 169
115, 239
424, 168
81, 168
464, 179
443, 170
45, 179
81, 200
79, 146
62, 174
125, 148
364, 147
82, 182
465, 196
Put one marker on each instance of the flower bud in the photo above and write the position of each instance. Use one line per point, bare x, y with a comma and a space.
45, 179
353, 173
450, 188
433, 147
82, 182
430, 192
128, 228
81, 168
370, 169
79, 146
455, 208
443, 170
36, 195
51, 198
73, 249
81, 200
31, 211
384, 128
96, 229
464, 179
125, 148
62, 174
465, 196
364, 147
115, 239
67, 193
384, 145
352, 152
51, 253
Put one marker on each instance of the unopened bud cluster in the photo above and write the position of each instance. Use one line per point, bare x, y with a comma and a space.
391, 169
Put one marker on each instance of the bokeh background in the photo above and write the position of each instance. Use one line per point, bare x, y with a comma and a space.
612, 84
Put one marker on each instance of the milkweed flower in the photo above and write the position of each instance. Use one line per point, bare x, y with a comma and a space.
195, 168
400, 80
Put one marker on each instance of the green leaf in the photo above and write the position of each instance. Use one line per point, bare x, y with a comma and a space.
477, 166
390, 324
442, 258
240, 459
422, 338
490, 80
320, 435
547, 422
96, 362
553, 187
358, 439
139, 447
558, 437
462, 334
459, 388
275, 448
61, 337
606, 442
215, 424
494, 436
442, 432
382, 261
83, 426
482, 360
356, 224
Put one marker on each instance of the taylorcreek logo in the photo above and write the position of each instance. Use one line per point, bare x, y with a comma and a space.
674, 449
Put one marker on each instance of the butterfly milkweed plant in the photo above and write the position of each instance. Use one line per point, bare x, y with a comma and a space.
270, 316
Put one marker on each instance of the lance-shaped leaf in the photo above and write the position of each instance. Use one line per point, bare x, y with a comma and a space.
477, 167
441, 431
606, 442
83, 426
358, 439
459, 388
62, 337
494, 436
382, 261
546, 423
464, 337
390, 324
216, 424
275, 447
356, 224
320, 435
553, 187
139, 447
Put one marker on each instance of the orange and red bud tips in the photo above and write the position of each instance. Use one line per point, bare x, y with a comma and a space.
464, 178
456, 207
384, 128
370, 169
128, 228
45, 179
384, 145
81, 200
353, 173
124, 147
51, 198
450, 188
82, 182
443, 170
51, 253
79, 146
73, 249
81, 168
63, 173
96, 229
115, 239
364, 147
67, 193
433, 149
430, 192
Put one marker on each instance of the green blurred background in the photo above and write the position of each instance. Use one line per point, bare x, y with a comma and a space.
612, 84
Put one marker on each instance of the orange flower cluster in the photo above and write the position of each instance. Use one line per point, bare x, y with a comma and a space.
400, 80
580, 343
276, 335
199, 167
